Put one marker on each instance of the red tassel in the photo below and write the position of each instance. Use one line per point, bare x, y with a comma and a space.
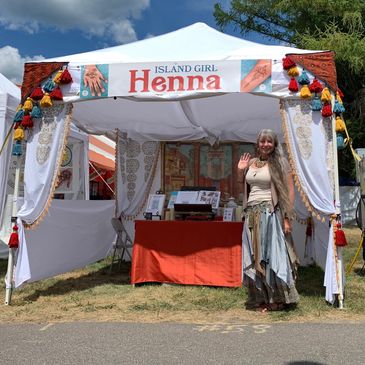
17, 125
293, 85
14, 238
27, 122
288, 63
327, 110
56, 94
37, 93
340, 238
66, 77
315, 86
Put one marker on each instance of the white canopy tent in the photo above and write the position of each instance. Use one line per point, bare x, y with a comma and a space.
9, 101
188, 85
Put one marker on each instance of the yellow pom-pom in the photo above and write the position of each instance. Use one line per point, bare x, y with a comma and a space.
340, 125
28, 105
305, 92
57, 77
293, 71
45, 101
20, 106
326, 95
19, 134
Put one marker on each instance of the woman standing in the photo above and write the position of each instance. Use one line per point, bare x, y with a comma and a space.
269, 259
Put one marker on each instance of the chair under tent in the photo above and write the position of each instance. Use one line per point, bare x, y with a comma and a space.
121, 245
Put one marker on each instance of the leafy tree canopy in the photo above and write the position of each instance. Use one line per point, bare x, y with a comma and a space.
337, 25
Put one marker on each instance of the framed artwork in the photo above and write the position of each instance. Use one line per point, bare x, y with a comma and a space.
155, 204
201, 164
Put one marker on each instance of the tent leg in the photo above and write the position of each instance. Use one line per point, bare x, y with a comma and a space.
9, 277
340, 277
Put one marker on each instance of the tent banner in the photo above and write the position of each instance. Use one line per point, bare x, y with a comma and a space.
175, 79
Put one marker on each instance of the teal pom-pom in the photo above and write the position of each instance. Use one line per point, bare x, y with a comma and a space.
316, 104
303, 79
17, 148
338, 108
36, 112
19, 116
49, 86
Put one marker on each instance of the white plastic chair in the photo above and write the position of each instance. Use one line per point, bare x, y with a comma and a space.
121, 245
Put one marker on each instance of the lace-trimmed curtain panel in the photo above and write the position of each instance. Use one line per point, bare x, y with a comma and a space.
136, 170
42, 163
309, 140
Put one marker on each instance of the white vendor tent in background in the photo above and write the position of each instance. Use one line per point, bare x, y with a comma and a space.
189, 85
9, 101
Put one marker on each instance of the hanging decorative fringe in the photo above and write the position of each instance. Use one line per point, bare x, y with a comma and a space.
27, 122
293, 85
340, 94
49, 86
327, 110
46, 101
340, 125
56, 94
340, 238
288, 63
315, 87
305, 92
341, 142
14, 238
19, 134
338, 107
293, 72
17, 148
303, 79
37, 93
57, 78
316, 104
66, 77
19, 116
36, 112
28, 105
326, 95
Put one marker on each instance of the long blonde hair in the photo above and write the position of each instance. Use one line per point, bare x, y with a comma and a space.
278, 167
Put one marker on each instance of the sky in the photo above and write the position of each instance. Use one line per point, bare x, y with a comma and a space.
38, 29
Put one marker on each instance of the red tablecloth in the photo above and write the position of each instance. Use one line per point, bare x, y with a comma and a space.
188, 252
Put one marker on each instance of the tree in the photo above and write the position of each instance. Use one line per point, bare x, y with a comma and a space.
337, 25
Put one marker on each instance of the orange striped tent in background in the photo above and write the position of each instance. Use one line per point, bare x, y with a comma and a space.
101, 167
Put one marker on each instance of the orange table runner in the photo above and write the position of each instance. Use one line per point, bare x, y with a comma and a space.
188, 252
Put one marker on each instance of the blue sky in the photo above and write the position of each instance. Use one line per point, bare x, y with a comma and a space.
36, 29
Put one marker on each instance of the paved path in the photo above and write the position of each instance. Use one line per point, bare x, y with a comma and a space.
169, 343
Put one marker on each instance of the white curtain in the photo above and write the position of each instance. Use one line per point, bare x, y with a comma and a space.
138, 175
310, 147
43, 158
73, 234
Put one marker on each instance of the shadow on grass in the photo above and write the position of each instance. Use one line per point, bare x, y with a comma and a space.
310, 282
92, 276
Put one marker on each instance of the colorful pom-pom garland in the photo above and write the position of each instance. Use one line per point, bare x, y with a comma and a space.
321, 98
41, 97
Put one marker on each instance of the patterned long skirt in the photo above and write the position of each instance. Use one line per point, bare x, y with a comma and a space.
269, 258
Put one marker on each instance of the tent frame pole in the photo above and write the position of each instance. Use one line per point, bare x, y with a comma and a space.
339, 250
10, 269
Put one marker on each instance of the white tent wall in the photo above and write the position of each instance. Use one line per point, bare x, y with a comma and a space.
9, 101
215, 116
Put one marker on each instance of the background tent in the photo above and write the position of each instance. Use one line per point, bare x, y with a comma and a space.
9, 101
188, 85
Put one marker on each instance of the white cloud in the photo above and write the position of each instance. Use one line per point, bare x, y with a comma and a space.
12, 63
100, 18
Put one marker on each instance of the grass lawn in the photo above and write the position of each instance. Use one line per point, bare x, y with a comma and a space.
91, 294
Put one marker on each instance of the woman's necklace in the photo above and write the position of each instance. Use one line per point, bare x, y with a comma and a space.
260, 163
